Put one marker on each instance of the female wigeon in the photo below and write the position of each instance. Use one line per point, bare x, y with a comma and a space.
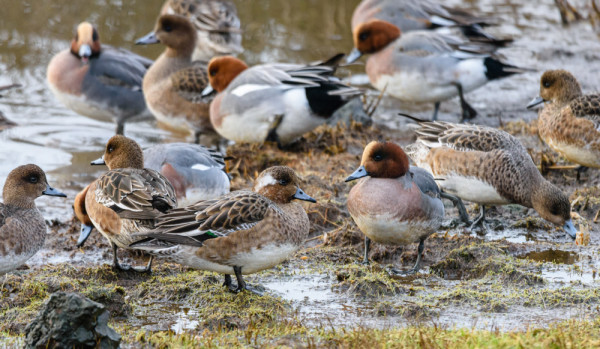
196, 172
216, 22
487, 166
570, 120
22, 226
126, 199
99, 81
242, 232
425, 66
411, 15
174, 83
392, 203
275, 102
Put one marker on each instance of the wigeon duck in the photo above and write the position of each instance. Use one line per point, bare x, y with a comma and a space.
174, 83
240, 233
196, 172
393, 203
216, 22
425, 66
277, 102
22, 226
126, 199
487, 166
411, 15
99, 81
570, 120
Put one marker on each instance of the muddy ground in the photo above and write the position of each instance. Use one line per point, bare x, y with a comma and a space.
523, 273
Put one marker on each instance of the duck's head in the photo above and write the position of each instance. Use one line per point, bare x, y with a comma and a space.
26, 183
557, 86
86, 43
280, 184
553, 205
381, 160
372, 36
222, 70
121, 152
174, 31
82, 216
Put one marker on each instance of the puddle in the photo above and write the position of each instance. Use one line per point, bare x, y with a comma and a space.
552, 256
166, 316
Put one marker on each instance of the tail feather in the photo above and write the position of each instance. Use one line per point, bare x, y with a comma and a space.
495, 69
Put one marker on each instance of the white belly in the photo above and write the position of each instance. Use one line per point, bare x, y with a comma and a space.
386, 230
583, 156
410, 86
13, 261
81, 105
471, 189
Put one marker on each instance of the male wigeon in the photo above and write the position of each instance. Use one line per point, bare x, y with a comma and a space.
99, 81
216, 22
411, 15
276, 102
196, 172
242, 232
126, 199
393, 203
174, 83
570, 120
487, 166
425, 66
22, 226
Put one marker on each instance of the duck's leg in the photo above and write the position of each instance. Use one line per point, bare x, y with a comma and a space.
242, 284
580, 170
480, 218
197, 135
147, 268
417, 265
272, 135
462, 211
227, 282
436, 109
467, 111
366, 255
120, 127
116, 264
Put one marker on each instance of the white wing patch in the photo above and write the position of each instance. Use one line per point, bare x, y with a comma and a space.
247, 88
201, 167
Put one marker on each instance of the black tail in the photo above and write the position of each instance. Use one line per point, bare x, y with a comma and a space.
413, 118
494, 69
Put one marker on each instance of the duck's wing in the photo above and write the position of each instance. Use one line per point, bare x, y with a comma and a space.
119, 67
424, 43
425, 181
210, 219
587, 107
135, 193
191, 81
465, 137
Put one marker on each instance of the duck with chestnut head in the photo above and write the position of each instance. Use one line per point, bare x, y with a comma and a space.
393, 203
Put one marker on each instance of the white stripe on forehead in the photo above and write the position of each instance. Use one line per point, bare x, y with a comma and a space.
263, 181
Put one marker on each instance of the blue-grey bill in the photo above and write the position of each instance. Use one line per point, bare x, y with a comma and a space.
53, 192
84, 234
353, 56
98, 162
301, 195
535, 102
569, 228
148, 39
359, 173
208, 90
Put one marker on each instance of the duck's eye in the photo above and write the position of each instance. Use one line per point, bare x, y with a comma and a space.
168, 28
213, 72
95, 36
33, 179
363, 36
378, 157
283, 182
547, 84
110, 149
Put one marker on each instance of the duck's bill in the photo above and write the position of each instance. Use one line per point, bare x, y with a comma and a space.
569, 228
53, 192
535, 102
147, 40
353, 56
359, 173
301, 195
85, 51
208, 90
84, 234
98, 162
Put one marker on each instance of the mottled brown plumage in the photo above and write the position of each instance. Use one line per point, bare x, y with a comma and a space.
570, 121
488, 166
242, 232
22, 226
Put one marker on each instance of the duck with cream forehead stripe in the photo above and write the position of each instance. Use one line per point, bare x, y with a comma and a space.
393, 203
242, 232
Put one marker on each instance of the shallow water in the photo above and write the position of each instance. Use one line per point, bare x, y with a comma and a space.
63, 142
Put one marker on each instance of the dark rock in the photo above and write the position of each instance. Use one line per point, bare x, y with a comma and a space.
69, 320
